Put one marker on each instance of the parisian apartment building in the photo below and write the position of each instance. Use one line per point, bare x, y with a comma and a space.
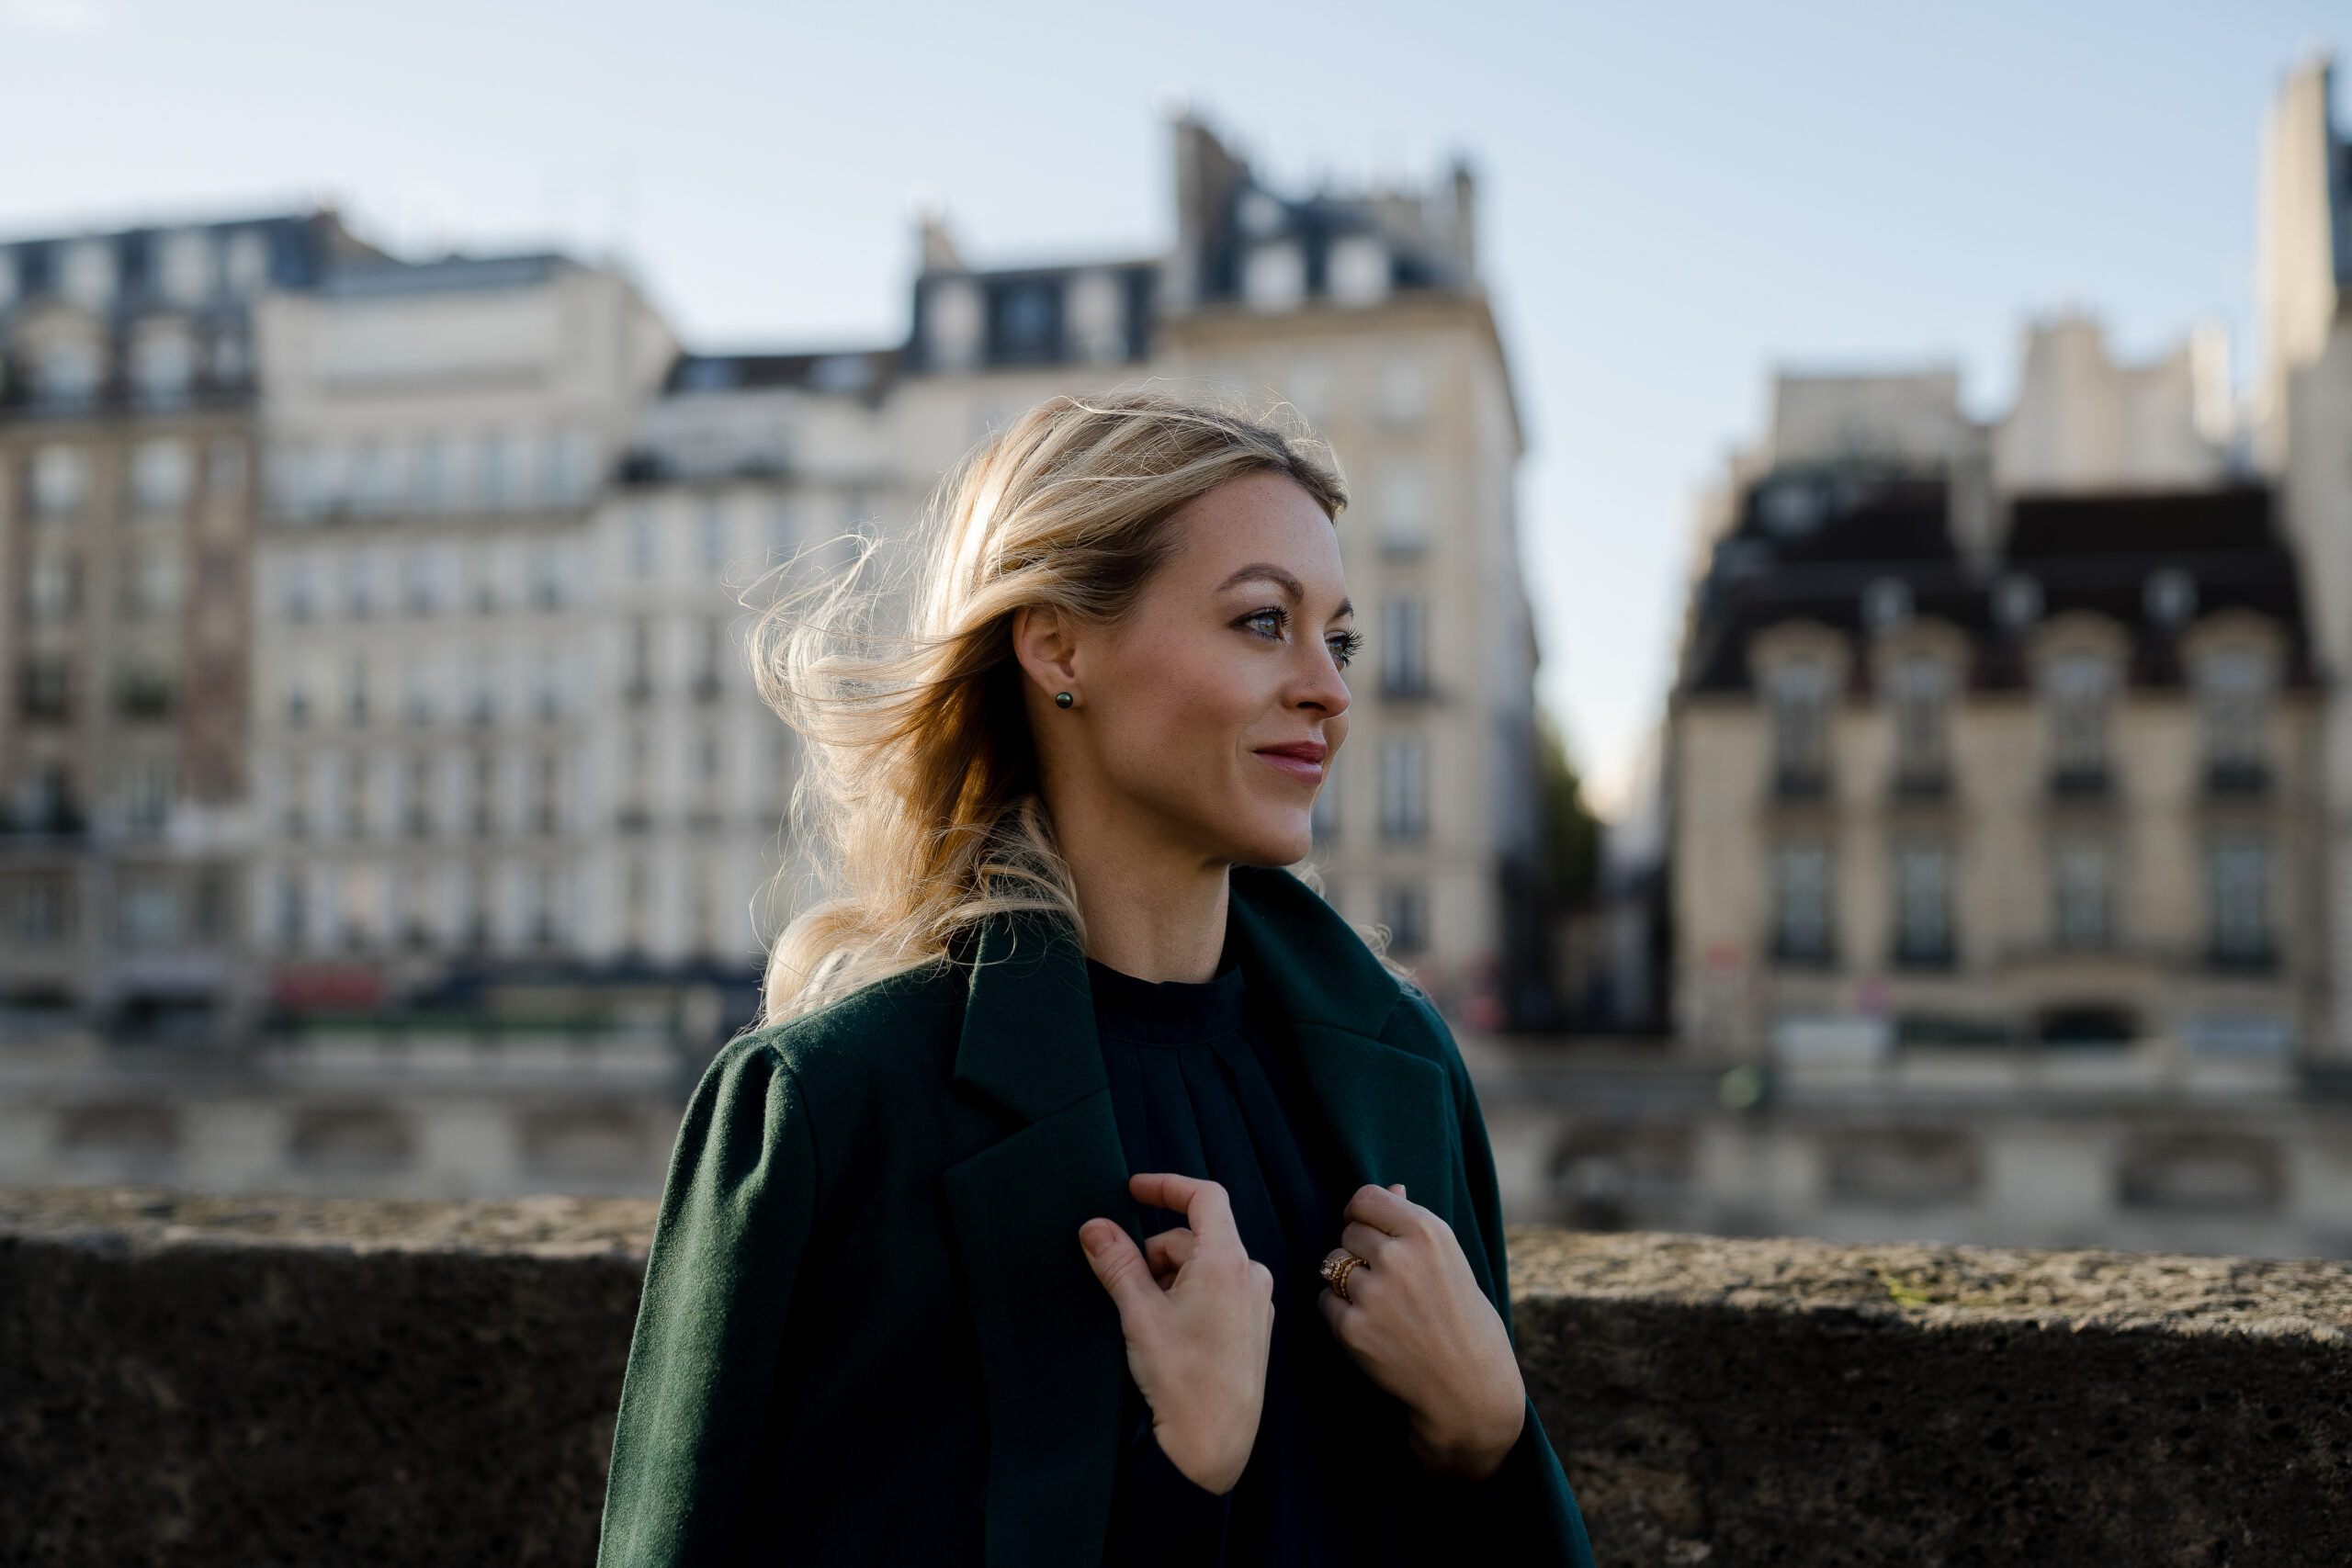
2034, 730
377, 628
130, 459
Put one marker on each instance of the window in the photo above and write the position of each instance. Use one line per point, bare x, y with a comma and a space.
147, 794
1404, 909
156, 579
783, 529
374, 479
1801, 904
417, 796
61, 481
1404, 653
41, 910
1273, 276
51, 586
426, 579
162, 363
162, 474
485, 792
2235, 687
246, 266
2083, 885
293, 913
149, 914
1359, 270
640, 660
1404, 510
546, 793
1324, 820
2239, 895
565, 478
714, 536
547, 576
495, 476
45, 688
643, 543
185, 270
67, 375
1404, 788
88, 275
1922, 904
359, 583
356, 689
1798, 690
713, 656
2077, 686
1921, 690
435, 480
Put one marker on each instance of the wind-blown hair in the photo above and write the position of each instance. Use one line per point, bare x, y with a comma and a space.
917, 801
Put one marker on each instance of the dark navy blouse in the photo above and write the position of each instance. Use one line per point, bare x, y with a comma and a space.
1202, 1087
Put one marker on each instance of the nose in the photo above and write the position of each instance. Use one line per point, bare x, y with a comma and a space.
1320, 688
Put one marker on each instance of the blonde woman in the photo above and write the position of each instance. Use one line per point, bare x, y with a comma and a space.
1093, 1193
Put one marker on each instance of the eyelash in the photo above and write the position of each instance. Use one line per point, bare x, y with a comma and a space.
1344, 646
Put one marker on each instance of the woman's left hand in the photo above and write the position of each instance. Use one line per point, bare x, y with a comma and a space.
1420, 1327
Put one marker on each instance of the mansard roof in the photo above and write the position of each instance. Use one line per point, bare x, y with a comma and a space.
1851, 550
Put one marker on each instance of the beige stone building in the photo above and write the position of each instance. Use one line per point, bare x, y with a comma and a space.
1956, 766
127, 477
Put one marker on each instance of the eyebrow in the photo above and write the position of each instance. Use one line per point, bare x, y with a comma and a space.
1292, 589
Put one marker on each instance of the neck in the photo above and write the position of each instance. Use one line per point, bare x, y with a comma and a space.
1152, 909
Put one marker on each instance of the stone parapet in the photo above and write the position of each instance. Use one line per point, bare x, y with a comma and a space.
199, 1381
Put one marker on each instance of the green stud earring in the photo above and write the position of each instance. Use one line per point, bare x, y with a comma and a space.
1063, 699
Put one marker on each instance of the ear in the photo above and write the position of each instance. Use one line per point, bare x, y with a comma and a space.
1042, 641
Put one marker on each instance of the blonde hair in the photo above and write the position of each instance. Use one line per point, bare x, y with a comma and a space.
917, 799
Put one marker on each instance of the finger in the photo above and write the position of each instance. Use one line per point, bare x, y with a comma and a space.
1385, 1211
1366, 1242
1204, 1204
1170, 1250
1397, 1187
1113, 1255
1333, 1309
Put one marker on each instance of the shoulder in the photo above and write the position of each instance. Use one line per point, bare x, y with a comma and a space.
1415, 1026
876, 1031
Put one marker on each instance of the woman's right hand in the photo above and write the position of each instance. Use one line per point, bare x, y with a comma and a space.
1198, 1316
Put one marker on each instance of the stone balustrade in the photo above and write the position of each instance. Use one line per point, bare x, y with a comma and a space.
234, 1381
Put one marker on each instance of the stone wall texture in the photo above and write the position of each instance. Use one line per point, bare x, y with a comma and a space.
194, 1381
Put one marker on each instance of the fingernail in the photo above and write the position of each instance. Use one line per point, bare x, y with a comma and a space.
1094, 1235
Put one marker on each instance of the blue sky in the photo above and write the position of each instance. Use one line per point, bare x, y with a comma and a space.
1678, 198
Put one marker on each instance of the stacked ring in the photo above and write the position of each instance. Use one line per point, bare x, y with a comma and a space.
1335, 1274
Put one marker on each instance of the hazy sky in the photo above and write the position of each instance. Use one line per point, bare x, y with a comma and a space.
1678, 198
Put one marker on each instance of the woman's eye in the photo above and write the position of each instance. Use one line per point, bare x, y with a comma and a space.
1343, 648
1266, 622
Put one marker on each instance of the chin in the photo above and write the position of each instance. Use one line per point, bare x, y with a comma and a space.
1274, 845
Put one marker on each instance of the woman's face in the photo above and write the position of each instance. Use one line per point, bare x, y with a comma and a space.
1206, 718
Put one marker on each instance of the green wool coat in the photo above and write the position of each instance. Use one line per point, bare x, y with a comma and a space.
868, 1334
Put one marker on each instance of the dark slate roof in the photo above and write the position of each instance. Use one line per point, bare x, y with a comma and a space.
1024, 316
449, 275
859, 370
1814, 545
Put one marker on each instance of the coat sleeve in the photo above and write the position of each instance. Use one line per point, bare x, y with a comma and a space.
1525, 1511
733, 1229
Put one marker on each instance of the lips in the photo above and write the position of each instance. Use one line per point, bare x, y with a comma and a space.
1301, 760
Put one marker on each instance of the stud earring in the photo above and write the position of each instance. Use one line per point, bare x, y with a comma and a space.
1063, 699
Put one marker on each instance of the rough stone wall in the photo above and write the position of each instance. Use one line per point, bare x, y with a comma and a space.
190, 1380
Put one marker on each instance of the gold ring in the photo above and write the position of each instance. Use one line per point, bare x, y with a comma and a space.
1335, 1274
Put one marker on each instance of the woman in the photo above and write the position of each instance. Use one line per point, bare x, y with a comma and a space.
1093, 1193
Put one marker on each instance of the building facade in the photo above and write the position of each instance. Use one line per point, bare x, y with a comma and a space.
427, 653
1957, 770
128, 459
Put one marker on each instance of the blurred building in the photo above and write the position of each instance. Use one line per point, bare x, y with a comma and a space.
746, 476
1965, 766
424, 630
129, 404
2303, 427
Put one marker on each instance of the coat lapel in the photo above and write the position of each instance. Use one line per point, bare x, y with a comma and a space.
1053, 1364
1389, 1111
